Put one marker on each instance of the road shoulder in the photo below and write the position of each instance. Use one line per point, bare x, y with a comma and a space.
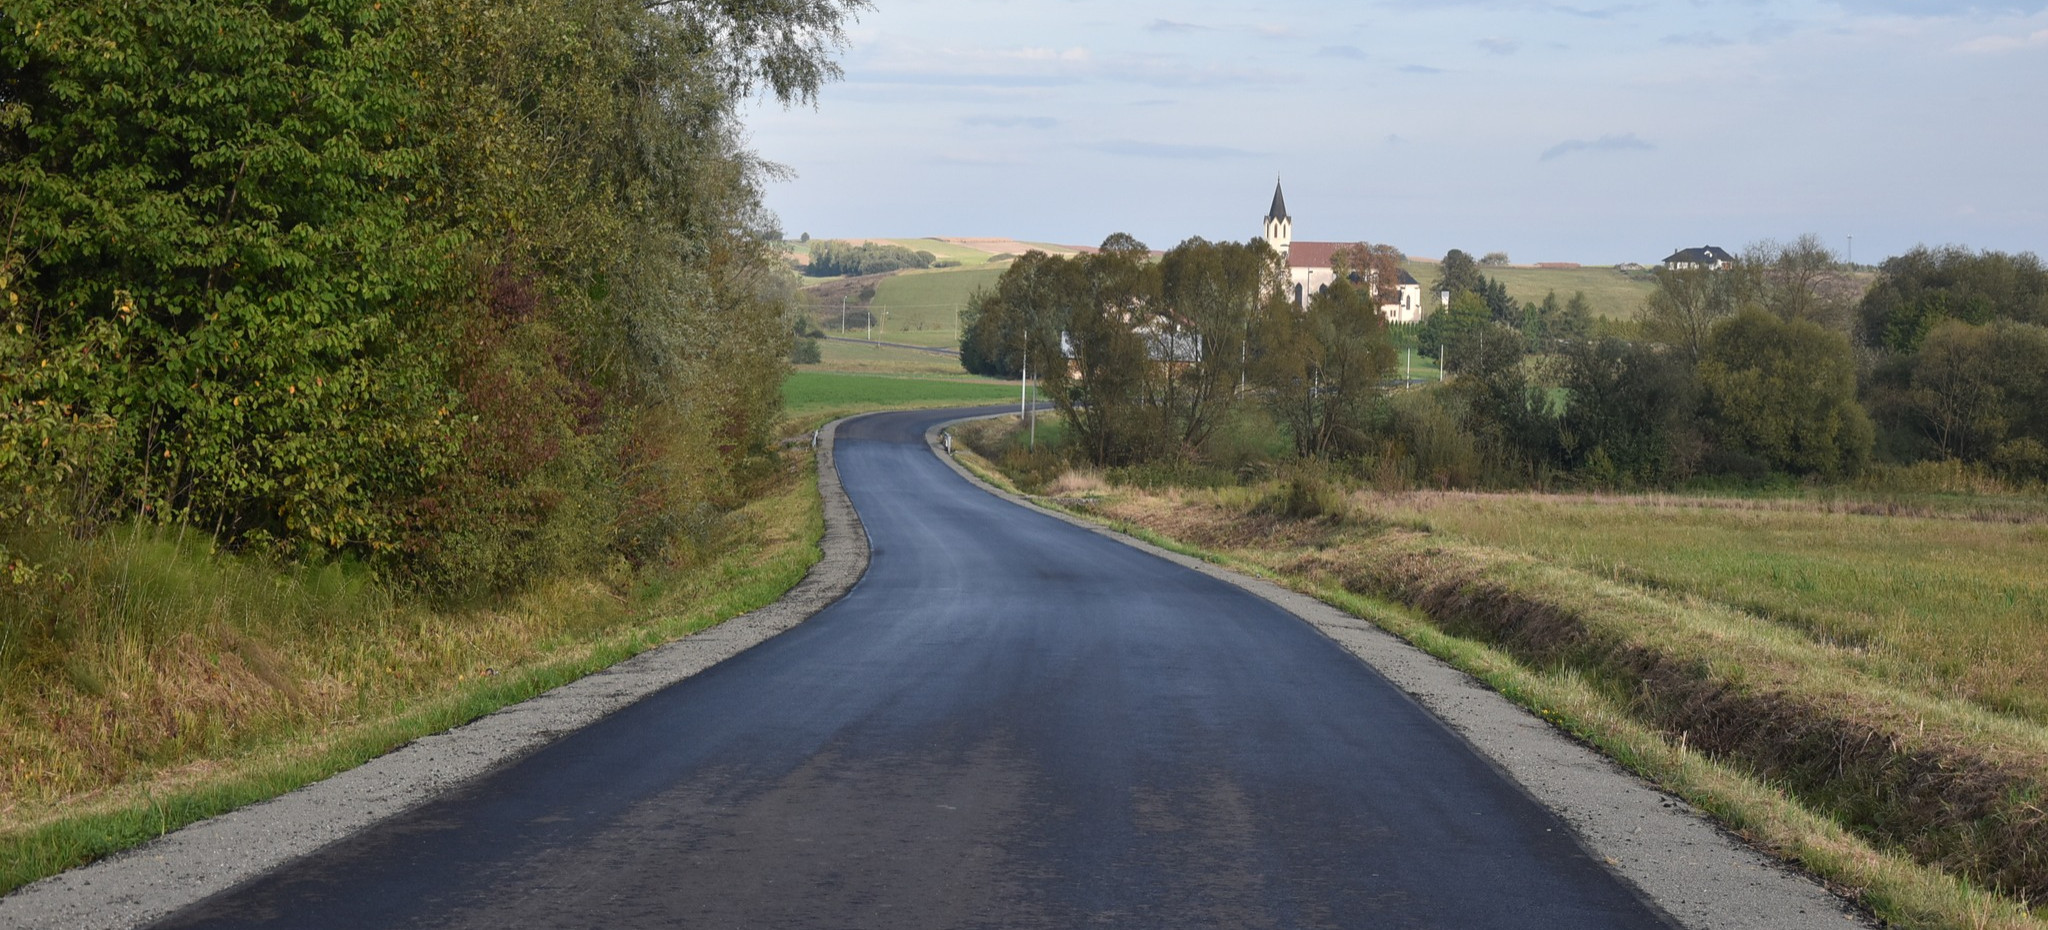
152, 880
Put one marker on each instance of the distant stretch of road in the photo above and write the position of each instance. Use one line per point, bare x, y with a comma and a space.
1010, 722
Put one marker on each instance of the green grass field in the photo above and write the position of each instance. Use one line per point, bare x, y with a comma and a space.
811, 397
922, 307
1612, 295
875, 359
1952, 606
946, 251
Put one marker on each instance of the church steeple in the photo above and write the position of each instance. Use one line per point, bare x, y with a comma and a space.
1279, 226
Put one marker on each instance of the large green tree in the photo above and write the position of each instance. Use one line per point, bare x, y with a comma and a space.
1687, 303
1784, 391
1629, 412
1323, 369
1916, 291
1210, 295
473, 286
1980, 393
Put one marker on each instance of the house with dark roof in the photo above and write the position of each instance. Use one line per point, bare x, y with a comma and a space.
1710, 257
1309, 271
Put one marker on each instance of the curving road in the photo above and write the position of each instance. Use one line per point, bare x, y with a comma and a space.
1010, 722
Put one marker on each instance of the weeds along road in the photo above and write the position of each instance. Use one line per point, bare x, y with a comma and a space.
1010, 722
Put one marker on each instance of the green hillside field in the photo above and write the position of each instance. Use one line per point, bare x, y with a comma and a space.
922, 307
1612, 294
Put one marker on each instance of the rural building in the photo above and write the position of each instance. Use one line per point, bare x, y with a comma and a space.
1308, 265
1710, 257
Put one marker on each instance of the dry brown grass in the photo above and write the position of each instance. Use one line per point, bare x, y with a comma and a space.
169, 667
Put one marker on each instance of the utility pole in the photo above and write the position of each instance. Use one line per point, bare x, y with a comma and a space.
1852, 251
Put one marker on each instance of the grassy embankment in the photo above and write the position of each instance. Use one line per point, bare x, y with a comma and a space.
167, 682
1852, 680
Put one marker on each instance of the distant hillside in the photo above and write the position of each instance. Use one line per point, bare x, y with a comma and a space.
920, 307
1612, 294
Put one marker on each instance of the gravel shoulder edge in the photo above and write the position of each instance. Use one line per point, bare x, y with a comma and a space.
1675, 856
145, 883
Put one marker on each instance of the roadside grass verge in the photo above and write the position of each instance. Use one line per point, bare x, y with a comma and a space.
1905, 792
1953, 606
238, 682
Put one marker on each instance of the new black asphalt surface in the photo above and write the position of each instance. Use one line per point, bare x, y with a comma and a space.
1009, 722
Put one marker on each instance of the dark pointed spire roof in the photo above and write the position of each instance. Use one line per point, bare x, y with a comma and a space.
1279, 210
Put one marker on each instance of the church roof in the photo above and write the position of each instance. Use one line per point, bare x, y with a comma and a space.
1312, 254
1279, 210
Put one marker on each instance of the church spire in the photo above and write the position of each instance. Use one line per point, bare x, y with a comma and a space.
1279, 210
1279, 227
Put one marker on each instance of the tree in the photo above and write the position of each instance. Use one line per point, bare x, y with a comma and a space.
1799, 280
1209, 295
1685, 306
1457, 273
999, 324
1916, 291
469, 289
1467, 312
1785, 392
1503, 409
1086, 338
1494, 259
1977, 388
1628, 412
1500, 307
1322, 369
834, 257
1373, 267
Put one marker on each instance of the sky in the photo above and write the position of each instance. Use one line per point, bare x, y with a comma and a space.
1580, 131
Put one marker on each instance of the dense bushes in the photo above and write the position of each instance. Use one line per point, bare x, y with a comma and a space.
467, 288
832, 257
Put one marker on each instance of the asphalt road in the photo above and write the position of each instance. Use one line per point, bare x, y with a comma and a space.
1009, 722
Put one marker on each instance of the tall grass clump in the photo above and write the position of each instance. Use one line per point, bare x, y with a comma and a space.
154, 665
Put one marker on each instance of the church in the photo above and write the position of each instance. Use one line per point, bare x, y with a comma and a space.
1308, 265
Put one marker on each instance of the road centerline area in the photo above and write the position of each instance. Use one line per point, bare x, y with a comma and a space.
1009, 722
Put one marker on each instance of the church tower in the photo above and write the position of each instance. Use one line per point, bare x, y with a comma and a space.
1279, 227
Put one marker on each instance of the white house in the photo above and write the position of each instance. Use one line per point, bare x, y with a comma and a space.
1308, 265
1710, 257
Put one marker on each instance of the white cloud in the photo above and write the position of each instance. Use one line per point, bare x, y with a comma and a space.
1991, 45
1626, 142
1044, 54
